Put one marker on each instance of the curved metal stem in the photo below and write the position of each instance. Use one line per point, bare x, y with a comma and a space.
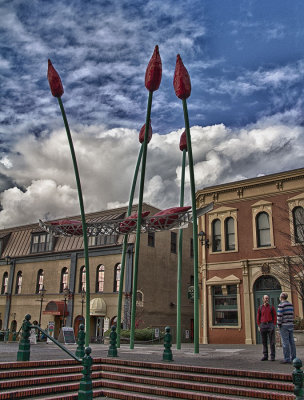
194, 217
83, 220
139, 212
124, 248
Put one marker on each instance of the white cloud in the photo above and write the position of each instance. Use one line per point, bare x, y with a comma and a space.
107, 158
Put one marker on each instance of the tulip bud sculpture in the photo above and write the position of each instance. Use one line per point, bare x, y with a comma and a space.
183, 148
152, 82
57, 91
182, 87
125, 242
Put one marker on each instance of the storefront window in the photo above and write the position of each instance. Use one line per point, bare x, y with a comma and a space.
225, 309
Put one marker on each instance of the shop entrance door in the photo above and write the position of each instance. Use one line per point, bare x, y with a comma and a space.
269, 285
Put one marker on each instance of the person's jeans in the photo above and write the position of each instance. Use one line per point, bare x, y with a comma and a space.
268, 330
288, 344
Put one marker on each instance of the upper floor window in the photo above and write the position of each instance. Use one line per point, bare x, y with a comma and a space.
117, 270
298, 223
40, 242
18, 282
216, 235
4, 286
263, 230
103, 240
82, 279
173, 242
229, 234
100, 278
39, 284
151, 239
64, 279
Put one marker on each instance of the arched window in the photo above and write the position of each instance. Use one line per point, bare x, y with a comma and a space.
4, 286
82, 279
216, 235
229, 234
18, 282
14, 326
117, 269
298, 223
139, 298
100, 275
64, 279
39, 284
263, 229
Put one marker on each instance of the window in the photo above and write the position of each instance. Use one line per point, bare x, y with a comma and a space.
40, 242
298, 223
39, 284
117, 270
100, 278
191, 248
229, 234
82, 279
4, 286
225, 308
0, 323
173, 242
263, 230
64, 279
139, 298
103, 240
151, 239
216, 235
18, 282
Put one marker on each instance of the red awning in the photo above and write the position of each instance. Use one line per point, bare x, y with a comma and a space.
56, 308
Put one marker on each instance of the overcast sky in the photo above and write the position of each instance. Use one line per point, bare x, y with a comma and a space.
246, 63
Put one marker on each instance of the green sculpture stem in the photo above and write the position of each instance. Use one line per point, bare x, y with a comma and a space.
180, 260
194, 218
138, 227
84, 224
124, 248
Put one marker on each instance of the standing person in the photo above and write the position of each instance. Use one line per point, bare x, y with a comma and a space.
266, 320
285, 324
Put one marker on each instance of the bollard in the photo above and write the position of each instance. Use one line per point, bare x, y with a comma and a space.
85, 388
80, 341
112, 352
24, 344
6, 336
167, 354
14, 338
297, 379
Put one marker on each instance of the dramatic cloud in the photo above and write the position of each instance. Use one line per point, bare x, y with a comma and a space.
42, 167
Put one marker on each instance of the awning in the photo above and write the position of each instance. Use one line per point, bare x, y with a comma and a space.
56, 308
98, 307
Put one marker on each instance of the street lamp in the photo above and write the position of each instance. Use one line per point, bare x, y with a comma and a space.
66, 293
82, 300
41, 293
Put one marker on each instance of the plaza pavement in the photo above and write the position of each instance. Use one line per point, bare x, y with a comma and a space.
228, 356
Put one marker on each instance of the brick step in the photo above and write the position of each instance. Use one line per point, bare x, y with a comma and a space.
8, 379
193, 391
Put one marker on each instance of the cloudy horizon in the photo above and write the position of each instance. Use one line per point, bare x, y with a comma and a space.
246, 65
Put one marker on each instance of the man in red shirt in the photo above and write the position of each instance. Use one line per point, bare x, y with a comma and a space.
266, 320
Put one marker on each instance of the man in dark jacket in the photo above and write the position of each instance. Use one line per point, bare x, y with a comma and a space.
266, 320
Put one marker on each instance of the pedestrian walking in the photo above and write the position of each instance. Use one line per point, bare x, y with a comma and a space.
266, 320
285, 324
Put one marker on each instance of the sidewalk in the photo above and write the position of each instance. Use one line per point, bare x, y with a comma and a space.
233, 356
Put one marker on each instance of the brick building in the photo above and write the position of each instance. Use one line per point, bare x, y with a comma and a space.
255, 224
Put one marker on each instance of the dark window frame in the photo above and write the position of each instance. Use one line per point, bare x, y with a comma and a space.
151, 239
216, 237
100, 269
260, 231
229, 234
63, 284
173, 242
18, 286
40, 246
224, 304
39, 285
117, 272
4, 286
298, 225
